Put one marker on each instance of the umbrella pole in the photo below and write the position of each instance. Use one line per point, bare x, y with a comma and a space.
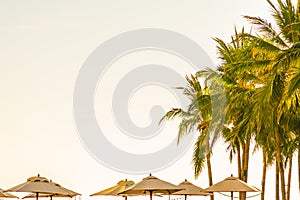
185, 196
231, 195
125, 198
37, 196
151, 194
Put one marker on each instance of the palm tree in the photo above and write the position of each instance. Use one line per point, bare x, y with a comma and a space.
240, 86
199, 116
275, 94
258, 70
261, 74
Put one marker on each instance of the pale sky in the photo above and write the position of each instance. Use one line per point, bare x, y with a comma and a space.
43, 47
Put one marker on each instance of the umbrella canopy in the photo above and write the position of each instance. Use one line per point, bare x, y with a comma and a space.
152, 185
231, 184
121, 186
190, 189
71, 193
37, 184
6, 194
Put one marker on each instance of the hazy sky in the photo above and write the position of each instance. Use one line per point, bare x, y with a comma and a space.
43, 47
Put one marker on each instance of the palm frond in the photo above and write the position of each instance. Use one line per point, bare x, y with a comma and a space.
199, 157
294, 82
186, 126
266, 28
172, 114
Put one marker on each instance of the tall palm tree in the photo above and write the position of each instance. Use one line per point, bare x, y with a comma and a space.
283, 53
258, 70
240, 86
198, 116
261, 73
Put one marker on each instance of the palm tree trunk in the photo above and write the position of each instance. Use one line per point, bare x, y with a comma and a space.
245, 163
246, 159
209, 173
277, 182
282, 181
208, 154
289, 178
242, 168
240, 163
264, 173
239, 166
280, 163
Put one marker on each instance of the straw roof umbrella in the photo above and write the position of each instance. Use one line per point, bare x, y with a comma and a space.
231, 184
37, 185
121, 186
6, 194
190, 189
152, 185
71, 193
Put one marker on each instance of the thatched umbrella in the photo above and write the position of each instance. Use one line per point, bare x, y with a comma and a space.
39, 185
190, 189
71, 193
152, 185
231, 184
121, 186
